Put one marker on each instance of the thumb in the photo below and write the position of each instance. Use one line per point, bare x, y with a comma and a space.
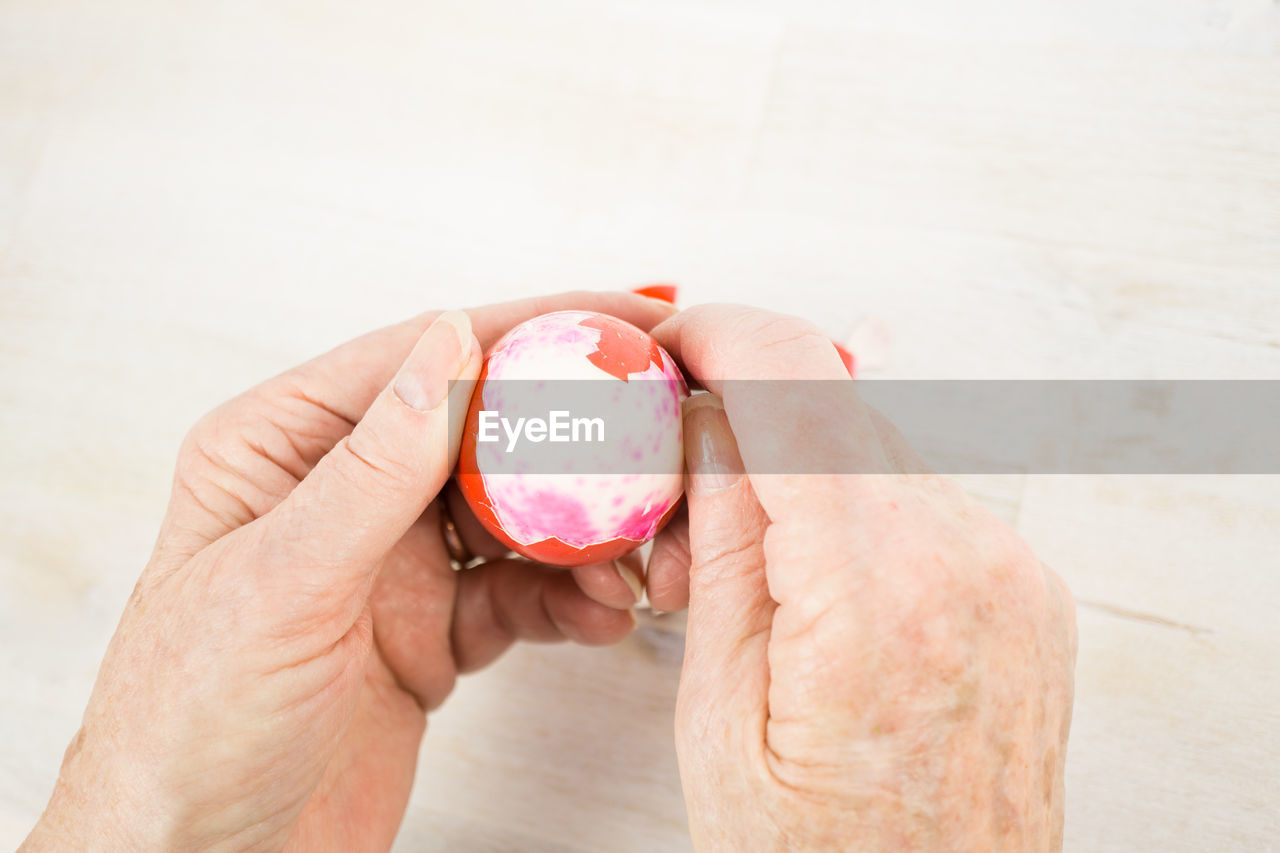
362, 497
725, 676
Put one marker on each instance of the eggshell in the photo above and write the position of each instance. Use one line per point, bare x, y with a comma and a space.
598, 506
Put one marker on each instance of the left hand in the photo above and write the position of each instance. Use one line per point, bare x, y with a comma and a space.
268, 684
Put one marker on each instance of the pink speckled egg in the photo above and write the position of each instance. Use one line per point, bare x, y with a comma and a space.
572, 452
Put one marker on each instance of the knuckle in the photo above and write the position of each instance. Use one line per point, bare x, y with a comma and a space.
603, 625
767, 329
366, 459
200, 456
201, 434
731, 335
725, 557
214, 431
671, 588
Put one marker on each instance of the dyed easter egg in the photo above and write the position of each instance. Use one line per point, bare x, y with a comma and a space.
572, 451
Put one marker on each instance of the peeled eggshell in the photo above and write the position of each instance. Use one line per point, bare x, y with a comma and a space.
664, 292
599, 506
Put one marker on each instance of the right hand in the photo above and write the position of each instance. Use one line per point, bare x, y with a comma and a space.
873, 661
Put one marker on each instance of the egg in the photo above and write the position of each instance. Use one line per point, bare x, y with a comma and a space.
572, 450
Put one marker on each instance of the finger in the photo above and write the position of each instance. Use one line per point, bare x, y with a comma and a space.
901, 455
797, 437
493, 321
412, 606
726, 642
667, 578
506, 600
249, 453
355, 505
478, 540
618, 583
346, 380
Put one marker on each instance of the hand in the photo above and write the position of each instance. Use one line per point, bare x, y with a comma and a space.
268, 684
873, 661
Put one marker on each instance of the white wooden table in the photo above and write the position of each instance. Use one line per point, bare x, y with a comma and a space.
194, 196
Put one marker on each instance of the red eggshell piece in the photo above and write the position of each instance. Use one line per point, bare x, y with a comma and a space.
846, 357
621, 350
665, 292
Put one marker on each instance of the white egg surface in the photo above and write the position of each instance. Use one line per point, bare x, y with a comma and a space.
572, 451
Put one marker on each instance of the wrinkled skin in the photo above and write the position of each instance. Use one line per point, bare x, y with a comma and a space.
873, 661
268, 684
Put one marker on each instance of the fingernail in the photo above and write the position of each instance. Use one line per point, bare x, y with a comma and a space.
633, 580
710, 450
437, 359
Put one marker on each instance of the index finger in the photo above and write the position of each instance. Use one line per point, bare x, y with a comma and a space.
347, 379
799, 442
